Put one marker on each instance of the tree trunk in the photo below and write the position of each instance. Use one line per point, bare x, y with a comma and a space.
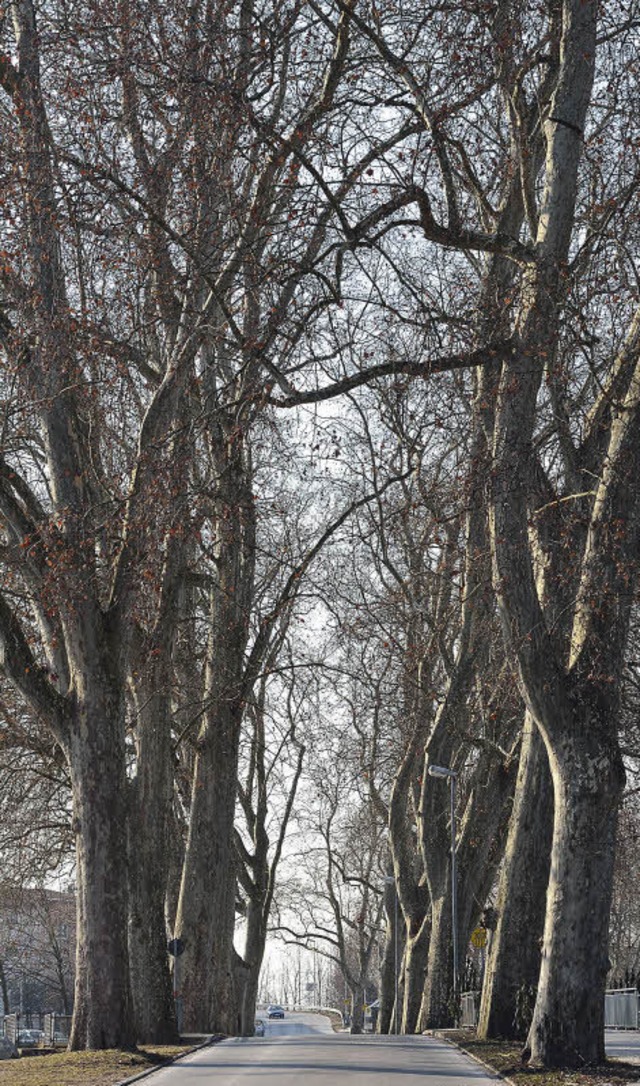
102, 1010
410, 885
392, 964
437, 1009
149, 851
414, 971
514, 955
568, 1021
206, 910
248, 968
386, 1021
4, 990
175, 862
248, 978
357, 1009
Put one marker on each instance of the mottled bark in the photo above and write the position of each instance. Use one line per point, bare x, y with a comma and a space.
414, 973
568, 1020
206, 912
79, 694
103, 1010
513, 960
149, 852
574, 706
437, 1007
390, 1017
205, 918
410, 886
175, 861
253, 954
385, 1022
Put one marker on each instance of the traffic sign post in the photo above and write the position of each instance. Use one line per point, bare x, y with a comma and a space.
479, 941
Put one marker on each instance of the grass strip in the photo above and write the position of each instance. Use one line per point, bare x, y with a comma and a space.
504, 1057
86, 1068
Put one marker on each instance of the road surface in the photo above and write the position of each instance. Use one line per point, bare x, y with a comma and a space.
303, 1049
623, 1044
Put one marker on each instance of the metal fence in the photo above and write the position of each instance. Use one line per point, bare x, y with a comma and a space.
621, 1008
469, 1004
57, 1028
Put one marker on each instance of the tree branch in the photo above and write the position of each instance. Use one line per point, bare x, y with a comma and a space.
491, 355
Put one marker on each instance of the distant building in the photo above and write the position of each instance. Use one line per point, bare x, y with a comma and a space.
37, 950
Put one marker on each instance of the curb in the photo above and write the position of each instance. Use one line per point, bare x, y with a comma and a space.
476, 1059
214, 1039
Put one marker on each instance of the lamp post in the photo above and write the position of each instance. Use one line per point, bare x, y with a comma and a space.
390, 880
450, 774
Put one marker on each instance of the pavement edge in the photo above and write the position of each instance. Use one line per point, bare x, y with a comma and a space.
214, 1039
441, 1035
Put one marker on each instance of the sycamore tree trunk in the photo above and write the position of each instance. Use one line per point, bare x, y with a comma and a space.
253, 955
96, 755
437, 1007
385, 1023
408, 869
4, 991
414, 972
573, 701
568, 1020
79, 693
392, 964
357, 1008
513, 963
149, 853
206, 911
175, 863
413, 903
205, 918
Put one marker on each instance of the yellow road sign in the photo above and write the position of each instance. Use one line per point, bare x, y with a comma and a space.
479, 938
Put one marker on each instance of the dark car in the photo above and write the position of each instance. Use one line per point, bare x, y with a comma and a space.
274, 1010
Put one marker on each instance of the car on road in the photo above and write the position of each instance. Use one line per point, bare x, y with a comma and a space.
259, 1028
274, 1010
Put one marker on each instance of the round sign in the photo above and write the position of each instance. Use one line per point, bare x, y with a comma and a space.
175, 947
479, 938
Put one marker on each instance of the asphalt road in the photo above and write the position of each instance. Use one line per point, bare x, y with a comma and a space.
623, 1044
303, 1049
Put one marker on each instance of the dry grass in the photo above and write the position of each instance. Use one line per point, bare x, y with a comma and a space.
85, 1068
504, 1057
335, 1019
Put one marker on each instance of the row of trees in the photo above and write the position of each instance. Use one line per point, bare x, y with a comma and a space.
233, 237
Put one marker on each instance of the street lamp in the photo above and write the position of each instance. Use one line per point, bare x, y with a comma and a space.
389, 880
445, 772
